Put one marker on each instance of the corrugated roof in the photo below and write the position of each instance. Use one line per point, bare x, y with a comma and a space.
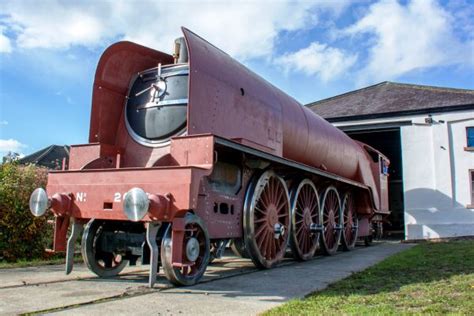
50, 157
391, 98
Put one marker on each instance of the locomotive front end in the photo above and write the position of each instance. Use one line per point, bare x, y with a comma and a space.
124, 213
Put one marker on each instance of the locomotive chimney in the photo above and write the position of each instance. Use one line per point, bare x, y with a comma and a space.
180, 51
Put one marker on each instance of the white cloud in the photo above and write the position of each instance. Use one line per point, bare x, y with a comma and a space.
3, 122
398, 36
243, 29
5, 44
318, 59
415, 36
12, 145
68, 99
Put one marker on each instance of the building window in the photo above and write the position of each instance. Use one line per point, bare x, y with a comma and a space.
470, 136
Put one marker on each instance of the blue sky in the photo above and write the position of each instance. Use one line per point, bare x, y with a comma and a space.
310, 49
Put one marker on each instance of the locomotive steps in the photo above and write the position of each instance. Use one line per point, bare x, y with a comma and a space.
231, 286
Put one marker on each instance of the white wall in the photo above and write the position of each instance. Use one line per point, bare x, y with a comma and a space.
435, 175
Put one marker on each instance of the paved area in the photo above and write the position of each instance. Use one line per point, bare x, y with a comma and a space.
231, 287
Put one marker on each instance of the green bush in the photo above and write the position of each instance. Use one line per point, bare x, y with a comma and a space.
22, 236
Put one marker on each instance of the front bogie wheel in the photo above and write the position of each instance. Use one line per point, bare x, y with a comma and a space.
102, 262
195, 249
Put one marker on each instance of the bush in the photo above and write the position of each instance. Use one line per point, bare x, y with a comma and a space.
22, 236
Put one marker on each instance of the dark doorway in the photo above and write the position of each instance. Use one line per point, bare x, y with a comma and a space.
388, 142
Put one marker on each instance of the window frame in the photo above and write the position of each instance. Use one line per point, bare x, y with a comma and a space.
471, 188
469, 147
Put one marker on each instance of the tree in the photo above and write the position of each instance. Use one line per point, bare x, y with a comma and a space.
11, 157
22, 236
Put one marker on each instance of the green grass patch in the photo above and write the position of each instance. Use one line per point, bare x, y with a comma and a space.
430, 278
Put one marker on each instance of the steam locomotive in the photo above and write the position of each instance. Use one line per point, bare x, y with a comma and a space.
189, 152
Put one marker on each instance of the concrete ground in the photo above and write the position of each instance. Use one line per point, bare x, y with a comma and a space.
231, 286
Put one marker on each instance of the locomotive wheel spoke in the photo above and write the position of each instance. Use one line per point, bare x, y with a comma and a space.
260, 230
262, 242
261, 220
262, 211
332, 219
265, 199
266, 220
270, 248
350, 224
305, 212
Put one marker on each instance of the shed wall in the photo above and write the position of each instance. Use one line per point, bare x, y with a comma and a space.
435, 174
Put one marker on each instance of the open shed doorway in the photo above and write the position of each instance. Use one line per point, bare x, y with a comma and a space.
388, 142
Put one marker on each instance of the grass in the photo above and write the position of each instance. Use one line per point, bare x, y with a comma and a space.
430, 278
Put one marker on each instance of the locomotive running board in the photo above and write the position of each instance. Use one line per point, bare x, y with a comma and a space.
289, 163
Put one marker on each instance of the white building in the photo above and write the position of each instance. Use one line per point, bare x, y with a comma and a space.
428, 134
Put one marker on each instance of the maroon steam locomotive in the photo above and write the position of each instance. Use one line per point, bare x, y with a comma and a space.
191, 151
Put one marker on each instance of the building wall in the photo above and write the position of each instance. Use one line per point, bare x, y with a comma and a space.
435, 174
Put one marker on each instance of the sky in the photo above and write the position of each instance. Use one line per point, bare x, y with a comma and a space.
312, 50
